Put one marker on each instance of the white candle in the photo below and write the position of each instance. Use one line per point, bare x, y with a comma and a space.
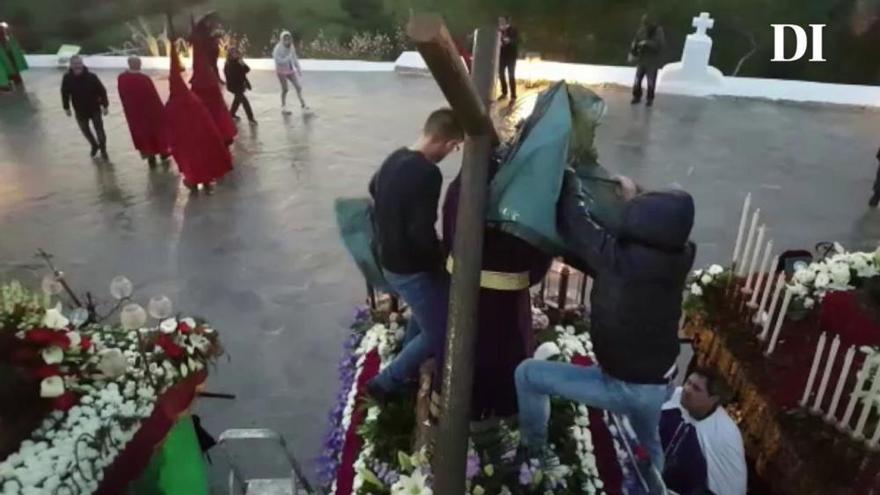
856, 393
752, 264
813, 369
762, 275
841, 381
780, 284
867, 405
768, 288
742, 226
749, 243
779, 320
823, 386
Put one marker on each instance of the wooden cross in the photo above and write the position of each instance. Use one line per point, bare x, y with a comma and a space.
469, 98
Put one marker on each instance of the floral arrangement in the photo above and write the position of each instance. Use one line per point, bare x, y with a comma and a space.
702, 284
385, 463
841, 271
98, 381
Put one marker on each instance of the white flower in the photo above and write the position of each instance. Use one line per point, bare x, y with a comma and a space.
53, 355
200, 343
547, 350
184, 370
52, 387
412, 485
168, 326
706, 279
840, 274
798, 290
805, 276
698, 273
716, 270
809, 303
75, 340
822, 280
55, 319
112, 363
696, 290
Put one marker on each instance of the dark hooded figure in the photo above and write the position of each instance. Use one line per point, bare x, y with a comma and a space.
647, 51
639, 276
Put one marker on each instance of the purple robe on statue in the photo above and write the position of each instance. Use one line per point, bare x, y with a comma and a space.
505, 336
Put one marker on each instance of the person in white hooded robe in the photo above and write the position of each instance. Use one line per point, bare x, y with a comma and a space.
288, 69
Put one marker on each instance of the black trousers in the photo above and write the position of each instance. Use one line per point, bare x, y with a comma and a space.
641, 72
241, 100
508, 65
98, 122
877, 178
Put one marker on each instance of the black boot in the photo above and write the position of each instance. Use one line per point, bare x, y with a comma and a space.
104, 154
875, 200
95, 150
151, 160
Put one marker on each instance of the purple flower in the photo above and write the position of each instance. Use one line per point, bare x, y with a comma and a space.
473, 465
526, 476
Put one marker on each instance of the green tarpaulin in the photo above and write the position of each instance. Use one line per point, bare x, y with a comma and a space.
11, 65
178, 467
523, 194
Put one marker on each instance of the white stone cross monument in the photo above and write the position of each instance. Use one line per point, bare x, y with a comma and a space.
694, 69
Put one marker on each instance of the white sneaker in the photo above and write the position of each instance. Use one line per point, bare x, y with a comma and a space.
285, 111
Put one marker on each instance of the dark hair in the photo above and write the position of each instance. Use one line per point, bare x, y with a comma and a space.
715, 384
443, 124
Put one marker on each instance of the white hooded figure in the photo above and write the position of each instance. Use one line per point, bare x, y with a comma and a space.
288, 69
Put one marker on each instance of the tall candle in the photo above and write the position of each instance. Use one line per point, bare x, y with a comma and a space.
749, 243
832, 356
779, 320
742, 226
861, 377
780, 284
867, 405
841, 381
762, 275
768, 288
813, 369
751, 270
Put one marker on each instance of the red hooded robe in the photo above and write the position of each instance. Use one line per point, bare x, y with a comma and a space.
196, 144
206, 82
144, 112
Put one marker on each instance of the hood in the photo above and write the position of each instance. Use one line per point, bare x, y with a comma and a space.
659, 219
280, 49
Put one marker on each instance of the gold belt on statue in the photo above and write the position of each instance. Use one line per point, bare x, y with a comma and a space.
498, 280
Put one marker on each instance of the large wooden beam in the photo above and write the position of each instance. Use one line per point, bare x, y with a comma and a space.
435, 44
467, 99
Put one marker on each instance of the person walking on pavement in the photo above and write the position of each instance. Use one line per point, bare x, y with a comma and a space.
507, 57
89, 98
237, 83
288, 69
875, 198
647, 51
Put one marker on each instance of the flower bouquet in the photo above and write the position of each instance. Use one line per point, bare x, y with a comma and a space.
842, 271
90, 382
705, 285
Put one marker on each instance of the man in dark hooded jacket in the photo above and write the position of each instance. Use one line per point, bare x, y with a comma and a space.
636, 300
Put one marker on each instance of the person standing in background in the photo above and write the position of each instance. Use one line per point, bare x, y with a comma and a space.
144, 112
875, 198
646, 50
89, 98
237, 83
507, 57
288, 69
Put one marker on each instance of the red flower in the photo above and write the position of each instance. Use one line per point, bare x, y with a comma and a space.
641, 453
65, 401
582, 361
172, 350
46, 371
85, 343
184, 328
45, 337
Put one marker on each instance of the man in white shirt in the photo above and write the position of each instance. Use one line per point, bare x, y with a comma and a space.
702, 444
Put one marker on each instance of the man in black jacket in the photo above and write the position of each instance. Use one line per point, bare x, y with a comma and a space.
646, 50
89, 99
406, 192
636, 300
507, 57
237, 83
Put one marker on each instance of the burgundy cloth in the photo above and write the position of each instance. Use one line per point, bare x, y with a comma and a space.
136, 456
196, 144
144, 112
353, 442
505, 337
206, 83
843, 315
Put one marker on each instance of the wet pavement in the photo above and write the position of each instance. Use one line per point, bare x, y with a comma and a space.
261, 258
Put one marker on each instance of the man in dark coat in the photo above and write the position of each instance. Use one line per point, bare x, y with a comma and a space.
237, 83
647, 51
639, 275
507, 57
875, 198
89, 98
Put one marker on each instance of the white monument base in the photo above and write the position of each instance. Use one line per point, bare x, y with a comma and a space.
675, 75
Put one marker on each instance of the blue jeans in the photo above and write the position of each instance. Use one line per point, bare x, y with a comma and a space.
427, 294
537, 380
